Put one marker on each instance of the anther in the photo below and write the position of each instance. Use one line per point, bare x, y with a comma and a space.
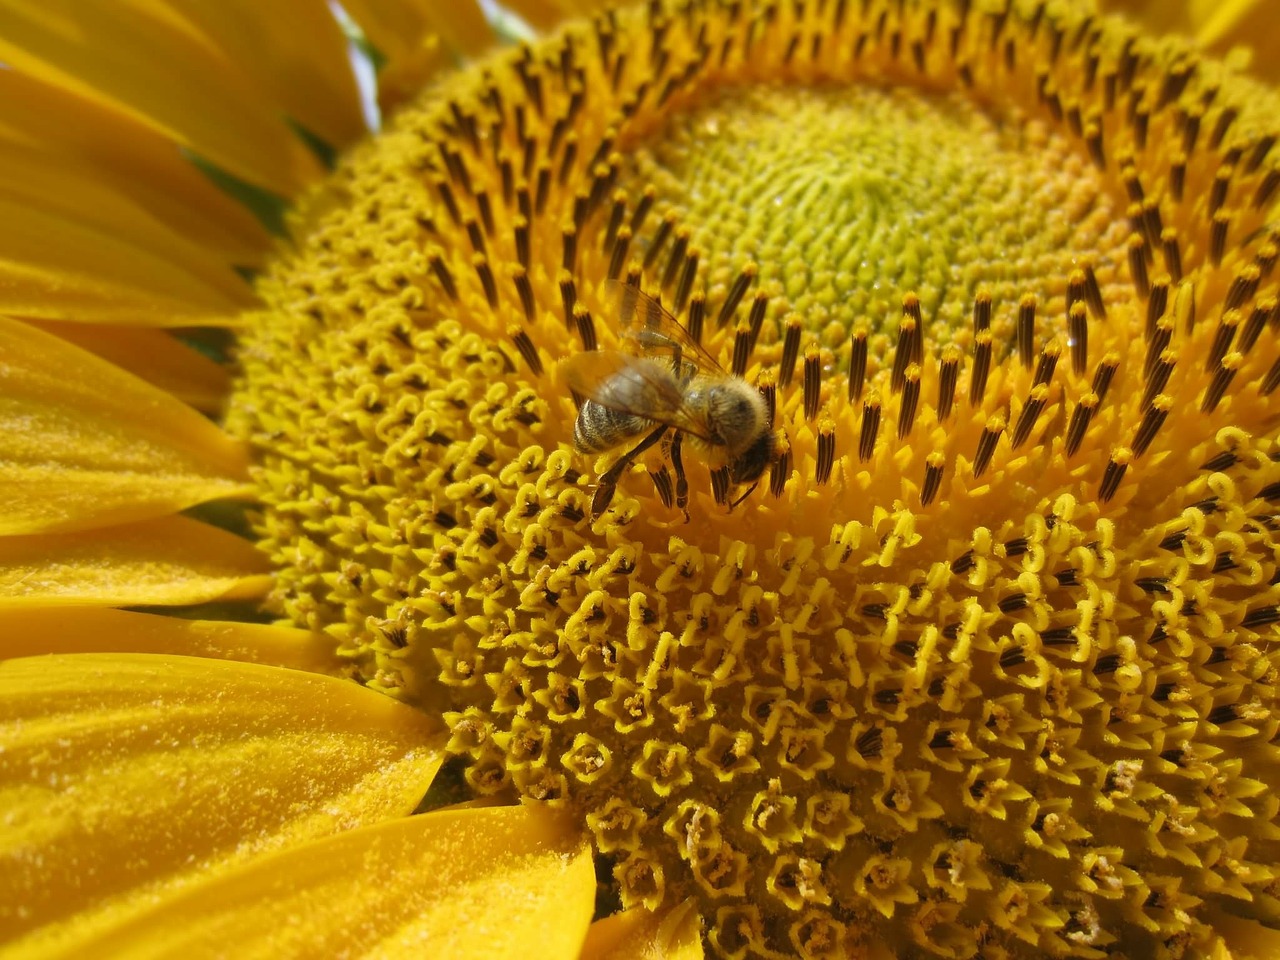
1080, 418
1262, 310
684, 287
755, 318
987, 444
1078, 336
1030, 413
542, 190
568, 297
779, 470
446, 197
524, 202
1093, 293
485, 273
616, 214
643, 207
790, 348
1026, 329
826, 451
1271, 380
1157, 304
659, 239
1178, 177
475, 236
870, 426
1093, 140
1049, 360
1226, 372
521, 230
1151, 423
1243, 286
1184, 307
569, 250
527, 350
1259, 152
1225, 119
933, 466
981, 367
1114, 473
697, 314
1222, 339
618, 256
982, 311
1267, 188
948, 375
1218, 238
1218, 191
525, 291
586, 327
910, 401
1172, 255
676, 260
857, 362
812, 381
741, 284
1075, 289
911, 308
1103, 376
741, 349
908, 330
486, 212
1138, 265
1153, 224
1158, 377
442, 274
769, 391
1132, 185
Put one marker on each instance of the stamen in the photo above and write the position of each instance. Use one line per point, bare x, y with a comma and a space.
643, 207
769, 391
1172, 255
910, 400
697, 313
826, 451
521, 230
870, 426
659, 239
486, 212
908, 331
676, 260
1138, 265
779, 471
857, 362
568, 297
1218, 238
1152, 421
1026, 329
1080, 418
755, 319
687, 276
1222, 339
1030, 412
741, 284
933, 467
1048, 361
1078, 324
1262, 310
1226, 372
1111, 477
948, 375
1157, 304
982, 311
911, 308
586, 327
1158, 376
812, 381
616, 214
981, 368
987, 444
569, 255
790, 348
525, 292
1158, 343
1103, 375
443, 276
485, 273
527, 350
1243, 286
741, 349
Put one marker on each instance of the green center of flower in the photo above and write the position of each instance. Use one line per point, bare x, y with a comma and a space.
986, 661
851, 197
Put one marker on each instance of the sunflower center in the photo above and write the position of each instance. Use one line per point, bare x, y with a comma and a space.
986, 660
852, 197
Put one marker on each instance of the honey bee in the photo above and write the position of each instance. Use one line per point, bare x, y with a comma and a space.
664, 387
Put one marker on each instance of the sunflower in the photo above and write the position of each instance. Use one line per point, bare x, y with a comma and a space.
380, 572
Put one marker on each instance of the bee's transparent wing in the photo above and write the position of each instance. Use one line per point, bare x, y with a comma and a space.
644, 320
638, 386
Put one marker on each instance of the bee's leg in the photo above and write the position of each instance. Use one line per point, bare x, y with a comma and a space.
608, 481
682, 482
750, 490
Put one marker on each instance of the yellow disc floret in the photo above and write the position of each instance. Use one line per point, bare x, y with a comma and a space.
987, 660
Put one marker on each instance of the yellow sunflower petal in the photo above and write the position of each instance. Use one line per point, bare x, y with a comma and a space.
144, 58
132, 158
640, 934
33, 181
56, 267
477, 884
127, 779
86, 444
294, 53
169, 561
25, 633
155, 356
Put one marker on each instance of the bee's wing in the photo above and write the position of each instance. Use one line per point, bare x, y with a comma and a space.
646, 321
635, 385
